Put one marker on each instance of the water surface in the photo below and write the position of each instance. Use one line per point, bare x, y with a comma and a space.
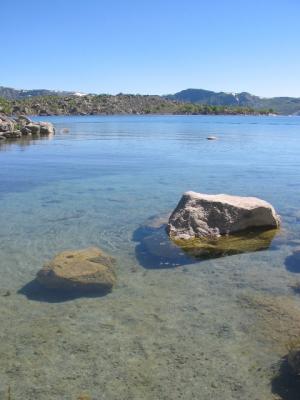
163, 333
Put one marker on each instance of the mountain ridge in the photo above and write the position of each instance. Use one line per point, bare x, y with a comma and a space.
281, 105
9, 93
201, 97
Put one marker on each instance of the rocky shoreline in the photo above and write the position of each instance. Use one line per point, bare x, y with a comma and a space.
15, 128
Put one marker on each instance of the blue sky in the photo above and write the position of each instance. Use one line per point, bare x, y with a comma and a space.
152, 46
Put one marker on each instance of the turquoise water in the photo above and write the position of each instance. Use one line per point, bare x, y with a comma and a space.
95, 185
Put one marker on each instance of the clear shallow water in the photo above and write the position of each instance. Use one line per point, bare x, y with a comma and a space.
162, 333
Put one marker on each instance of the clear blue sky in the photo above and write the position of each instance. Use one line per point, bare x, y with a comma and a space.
152, 46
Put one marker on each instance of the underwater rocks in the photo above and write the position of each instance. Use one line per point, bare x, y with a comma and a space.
88, 270
14, 128
200, 215
226, 245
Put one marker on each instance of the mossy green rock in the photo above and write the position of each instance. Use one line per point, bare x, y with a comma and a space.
242, 242
85, 269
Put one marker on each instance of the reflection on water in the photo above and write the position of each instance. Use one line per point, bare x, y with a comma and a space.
22, 142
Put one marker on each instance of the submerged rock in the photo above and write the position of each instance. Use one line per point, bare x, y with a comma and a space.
200, 215
226, 245
87, 270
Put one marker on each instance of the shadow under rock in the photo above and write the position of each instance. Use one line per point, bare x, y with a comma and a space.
155, 249
285, 384
35, 291
292, 264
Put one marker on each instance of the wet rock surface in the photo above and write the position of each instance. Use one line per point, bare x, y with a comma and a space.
254, 240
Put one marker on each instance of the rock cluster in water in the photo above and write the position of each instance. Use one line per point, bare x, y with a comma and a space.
89, 270
200, 215
14, 128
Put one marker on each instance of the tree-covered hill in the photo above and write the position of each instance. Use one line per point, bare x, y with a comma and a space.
109, 104
62, 101
281, 105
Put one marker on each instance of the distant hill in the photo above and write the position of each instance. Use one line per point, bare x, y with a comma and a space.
109, 104
189, 101
281, 105
15, 94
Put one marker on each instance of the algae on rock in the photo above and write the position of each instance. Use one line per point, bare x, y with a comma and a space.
242, 242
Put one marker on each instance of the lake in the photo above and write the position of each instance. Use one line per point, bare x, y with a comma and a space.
184, 329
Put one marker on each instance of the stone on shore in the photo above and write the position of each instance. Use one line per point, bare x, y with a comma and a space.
33, 128
26, 131
12, 128
6, 125
46, 128
89, 270
200, 215
22, 119
15, 134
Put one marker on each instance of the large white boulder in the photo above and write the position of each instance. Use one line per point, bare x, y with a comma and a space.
200, 215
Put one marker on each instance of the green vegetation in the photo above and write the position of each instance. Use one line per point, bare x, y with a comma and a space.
213, 102
121, 104
5, 106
